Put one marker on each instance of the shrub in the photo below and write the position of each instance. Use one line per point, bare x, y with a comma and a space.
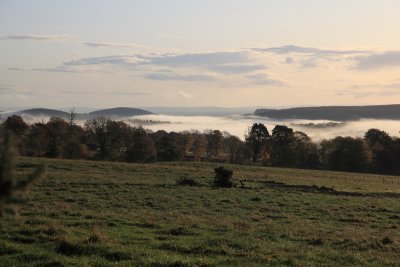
316, 242
387, 240
223, 177
186, 181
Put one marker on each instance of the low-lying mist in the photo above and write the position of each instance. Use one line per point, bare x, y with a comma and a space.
238, 125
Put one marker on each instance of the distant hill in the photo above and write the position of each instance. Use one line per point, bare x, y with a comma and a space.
43, 112
336, 113
119, 112
39, 112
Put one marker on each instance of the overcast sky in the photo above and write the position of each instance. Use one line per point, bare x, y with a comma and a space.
226, 53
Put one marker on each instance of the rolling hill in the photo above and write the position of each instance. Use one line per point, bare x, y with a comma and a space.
120, 112
38, 112
337, 113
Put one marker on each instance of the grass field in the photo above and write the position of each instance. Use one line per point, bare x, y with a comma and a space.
87, 213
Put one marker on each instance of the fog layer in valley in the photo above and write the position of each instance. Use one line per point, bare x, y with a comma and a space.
238, 125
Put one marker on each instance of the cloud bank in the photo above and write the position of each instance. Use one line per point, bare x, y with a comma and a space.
189, 67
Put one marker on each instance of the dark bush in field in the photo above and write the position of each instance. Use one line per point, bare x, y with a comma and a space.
186, 181
387, 240
223, 177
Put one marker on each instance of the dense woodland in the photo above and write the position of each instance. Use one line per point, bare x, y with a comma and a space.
105, 139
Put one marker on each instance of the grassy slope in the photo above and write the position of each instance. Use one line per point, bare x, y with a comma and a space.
95, 213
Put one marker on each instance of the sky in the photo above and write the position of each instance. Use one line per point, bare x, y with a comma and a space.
227, 53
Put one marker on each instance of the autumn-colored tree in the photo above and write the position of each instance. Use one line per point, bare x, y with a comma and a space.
199, 146
214, 143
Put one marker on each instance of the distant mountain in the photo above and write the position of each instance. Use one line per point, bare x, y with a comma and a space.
119, 112
335, 113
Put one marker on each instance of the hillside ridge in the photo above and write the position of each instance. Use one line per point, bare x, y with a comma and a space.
110, 113
338, 113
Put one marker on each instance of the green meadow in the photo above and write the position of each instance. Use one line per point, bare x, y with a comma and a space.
88, 213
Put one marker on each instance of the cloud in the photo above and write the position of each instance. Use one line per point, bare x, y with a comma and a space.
368, 93
86, 65
237, 68
170, 36
18, 69
264, 79
239, 62
365, 59
17, 97
179, 77
311, 57
294, 49
107, 60
64, 69
185, 95
5, 89
111, 92
378, 61
112, 44
289, 60
289, 49
37, 37
204, 60
373, 89
128, 92
310, 62
392, 85
12, 92
55, 69
73, 39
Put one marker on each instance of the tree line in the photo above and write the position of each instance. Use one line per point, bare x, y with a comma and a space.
106, 139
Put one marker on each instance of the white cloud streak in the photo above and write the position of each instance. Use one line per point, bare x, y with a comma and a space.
294, 49
184, 94
114, 45
38, 37
159, 76
265, 80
